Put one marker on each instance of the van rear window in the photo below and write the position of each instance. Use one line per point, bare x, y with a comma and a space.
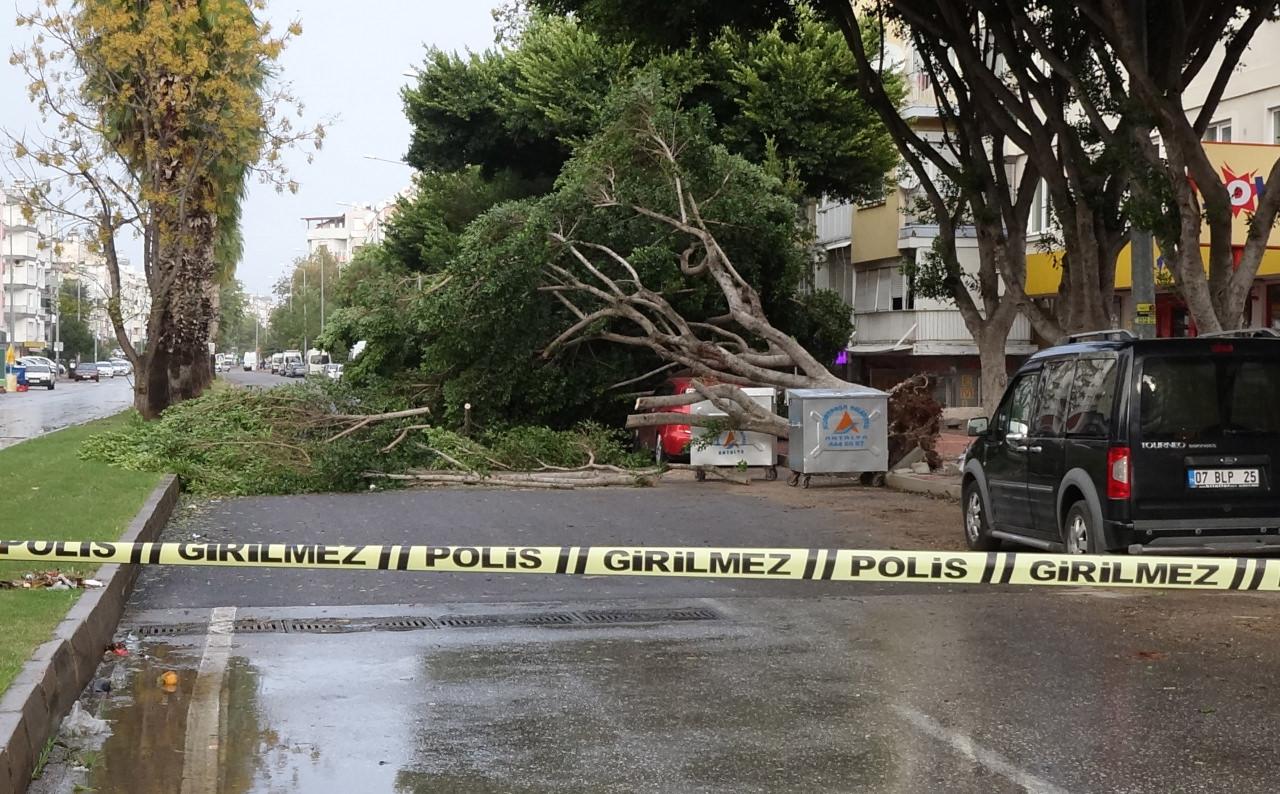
1187, 398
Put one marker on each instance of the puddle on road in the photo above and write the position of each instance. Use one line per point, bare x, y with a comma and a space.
145, 747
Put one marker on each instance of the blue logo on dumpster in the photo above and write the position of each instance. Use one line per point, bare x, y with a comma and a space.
846, 427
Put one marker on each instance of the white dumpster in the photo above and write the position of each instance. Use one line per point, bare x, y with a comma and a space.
734, 447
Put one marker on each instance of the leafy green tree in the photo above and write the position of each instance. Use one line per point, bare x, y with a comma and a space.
479, 328
73, 310
158, 111
524, 109
295, 321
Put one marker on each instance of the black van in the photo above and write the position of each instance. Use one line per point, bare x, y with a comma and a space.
1111, 443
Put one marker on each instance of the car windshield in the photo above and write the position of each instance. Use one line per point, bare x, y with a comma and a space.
88, 365
36, 368
1186, 398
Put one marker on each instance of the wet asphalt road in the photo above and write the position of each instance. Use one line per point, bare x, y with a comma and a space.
257, 378
33, 413
777, 687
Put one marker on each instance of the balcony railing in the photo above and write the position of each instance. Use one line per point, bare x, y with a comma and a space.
22, 276
927, 332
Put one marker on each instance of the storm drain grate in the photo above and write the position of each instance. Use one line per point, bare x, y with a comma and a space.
169, 629
486, 621
404, 624
260, 626
322, 626
647, 615
408, 623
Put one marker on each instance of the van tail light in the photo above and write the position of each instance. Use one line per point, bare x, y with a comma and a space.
1119, 473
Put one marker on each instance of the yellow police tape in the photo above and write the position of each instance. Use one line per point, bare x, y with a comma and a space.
715, 563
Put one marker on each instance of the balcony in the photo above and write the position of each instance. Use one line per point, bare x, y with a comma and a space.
834, 224
24, 276
20, 246
927, 332
24, 308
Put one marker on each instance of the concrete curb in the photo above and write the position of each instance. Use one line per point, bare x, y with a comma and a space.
53, 678
912, 484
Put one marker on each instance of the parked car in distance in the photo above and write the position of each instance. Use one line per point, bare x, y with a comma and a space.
333, 371
85, 370
48, 362
121, 366
294, 368
670, 441
106, 369
250, 361
1111, 443
277, 362
39, 375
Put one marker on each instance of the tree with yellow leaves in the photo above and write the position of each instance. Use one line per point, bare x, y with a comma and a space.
159, 111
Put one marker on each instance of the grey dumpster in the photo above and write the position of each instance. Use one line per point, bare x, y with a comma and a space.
837, 431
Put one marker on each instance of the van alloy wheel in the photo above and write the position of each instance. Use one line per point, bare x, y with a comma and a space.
973, 516
1077, 541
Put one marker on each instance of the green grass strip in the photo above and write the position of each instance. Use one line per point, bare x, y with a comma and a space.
48, 493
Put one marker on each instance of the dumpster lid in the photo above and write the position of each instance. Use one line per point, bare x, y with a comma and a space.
852, 390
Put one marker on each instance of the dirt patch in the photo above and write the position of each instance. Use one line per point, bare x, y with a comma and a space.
877, 518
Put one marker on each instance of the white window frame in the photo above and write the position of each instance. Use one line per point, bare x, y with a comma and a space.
1273, 115
1040, 220
1213, 133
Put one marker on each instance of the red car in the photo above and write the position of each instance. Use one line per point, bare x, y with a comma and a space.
668, 441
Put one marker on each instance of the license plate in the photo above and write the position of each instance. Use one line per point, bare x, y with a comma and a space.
1222, 478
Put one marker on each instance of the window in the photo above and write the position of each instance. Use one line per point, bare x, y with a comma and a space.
1055, 392
1040, 219
1274, 114
1014, 414
1092, 397
840, 273
1218, 131
1193, 398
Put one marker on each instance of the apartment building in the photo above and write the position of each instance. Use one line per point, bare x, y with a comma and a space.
861, 250
360, 225
76, 261
1242, 142
25, 316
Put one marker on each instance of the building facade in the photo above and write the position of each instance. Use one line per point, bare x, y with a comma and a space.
25, 272
861, 252
78, 262
1242, 141
344, 234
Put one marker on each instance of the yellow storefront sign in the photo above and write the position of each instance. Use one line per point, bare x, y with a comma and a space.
1242, 166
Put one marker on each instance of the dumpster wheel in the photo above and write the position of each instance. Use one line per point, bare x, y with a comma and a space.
700, 475
771, 473
794, 479
805, 483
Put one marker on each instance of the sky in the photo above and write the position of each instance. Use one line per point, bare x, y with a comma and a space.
350, 62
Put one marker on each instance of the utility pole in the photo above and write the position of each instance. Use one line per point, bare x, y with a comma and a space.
304, 311
1141, 263
10, 376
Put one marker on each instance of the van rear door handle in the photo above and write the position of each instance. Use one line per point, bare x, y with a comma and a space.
1036, 448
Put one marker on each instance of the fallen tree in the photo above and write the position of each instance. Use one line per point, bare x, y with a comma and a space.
603, 290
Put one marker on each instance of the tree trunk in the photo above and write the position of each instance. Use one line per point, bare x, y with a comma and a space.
994, 362
151, 385
186, 320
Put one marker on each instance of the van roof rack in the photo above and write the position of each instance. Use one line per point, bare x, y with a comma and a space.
1249, 333
1111, 334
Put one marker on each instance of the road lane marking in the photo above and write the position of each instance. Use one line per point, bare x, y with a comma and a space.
200, 765
964, 745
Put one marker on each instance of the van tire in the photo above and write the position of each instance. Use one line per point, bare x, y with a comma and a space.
1079, 521
977, 522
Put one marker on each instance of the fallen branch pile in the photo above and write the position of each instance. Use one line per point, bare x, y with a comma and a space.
306, 438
